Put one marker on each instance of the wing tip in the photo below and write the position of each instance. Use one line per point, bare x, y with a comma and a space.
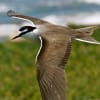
10, 13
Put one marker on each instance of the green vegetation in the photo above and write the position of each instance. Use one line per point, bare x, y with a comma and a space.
18, 71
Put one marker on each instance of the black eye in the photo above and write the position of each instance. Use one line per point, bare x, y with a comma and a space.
29, 28
23, 28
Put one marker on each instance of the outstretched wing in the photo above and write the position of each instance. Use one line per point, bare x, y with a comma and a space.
50, 70
52, 83
36, 21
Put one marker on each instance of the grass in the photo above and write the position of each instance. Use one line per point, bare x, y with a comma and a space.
18, 71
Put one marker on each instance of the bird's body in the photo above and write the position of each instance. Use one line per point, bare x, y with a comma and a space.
51, 64
53, 54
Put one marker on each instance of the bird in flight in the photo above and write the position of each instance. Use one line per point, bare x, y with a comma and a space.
53, 53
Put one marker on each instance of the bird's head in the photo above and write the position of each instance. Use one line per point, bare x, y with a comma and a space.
26, 31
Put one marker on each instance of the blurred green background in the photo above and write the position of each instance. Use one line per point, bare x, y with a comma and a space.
17, 59
18, 71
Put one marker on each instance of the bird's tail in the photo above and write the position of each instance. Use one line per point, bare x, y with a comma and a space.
85, 34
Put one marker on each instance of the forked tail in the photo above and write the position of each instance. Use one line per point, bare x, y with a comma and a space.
85, 34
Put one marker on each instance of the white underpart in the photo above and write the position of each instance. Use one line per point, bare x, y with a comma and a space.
87, 41
39, 49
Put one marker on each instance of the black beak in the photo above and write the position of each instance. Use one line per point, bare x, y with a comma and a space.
16, 37
24, 30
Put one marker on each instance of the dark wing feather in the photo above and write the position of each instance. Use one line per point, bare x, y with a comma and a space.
51, 78
67, 54
52, 84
